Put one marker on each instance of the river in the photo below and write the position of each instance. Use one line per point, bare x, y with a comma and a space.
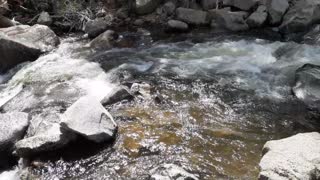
211, 105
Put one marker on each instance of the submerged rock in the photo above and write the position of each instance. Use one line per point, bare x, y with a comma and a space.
90, 119
171, 172
191, 16
300, 16
44, 134
307, 84
296, 157
24, 43
313, 36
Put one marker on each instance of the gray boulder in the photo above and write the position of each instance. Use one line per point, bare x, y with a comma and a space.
225, 20
44, 19
175, 25
307, 84
209, 4
24, 43
104, 41
300, 16
12, 128
276, 10
171, 171
146, 6
95, 27
90, 119
191, 16
296, 157
258, 18
44, 134
241, 4
169, 8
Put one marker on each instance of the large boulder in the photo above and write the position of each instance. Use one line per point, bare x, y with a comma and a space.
191, 16
226, 20
95, 27
276, 10
300, 16
104, 41
44, 134
38, 37
87, 117
241, 4
307, 85
257, 18
146, 6
24, 43
12, 128
296, 157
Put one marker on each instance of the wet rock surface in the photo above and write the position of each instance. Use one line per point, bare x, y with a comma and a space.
306, 87
296, 157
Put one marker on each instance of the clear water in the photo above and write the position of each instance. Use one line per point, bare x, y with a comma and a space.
212, 106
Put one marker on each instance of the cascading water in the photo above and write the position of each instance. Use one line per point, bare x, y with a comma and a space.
212, 105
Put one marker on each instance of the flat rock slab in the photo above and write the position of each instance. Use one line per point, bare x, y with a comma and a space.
296, 157
90, 119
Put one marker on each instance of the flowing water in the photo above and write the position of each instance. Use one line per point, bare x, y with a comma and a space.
210, 106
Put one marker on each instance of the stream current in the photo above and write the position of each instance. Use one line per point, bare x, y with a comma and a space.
210, 107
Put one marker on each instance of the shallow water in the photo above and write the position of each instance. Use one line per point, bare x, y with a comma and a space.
212, 105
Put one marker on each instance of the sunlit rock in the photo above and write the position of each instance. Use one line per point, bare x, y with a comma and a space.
12, 128
44, 134
90, 119
296, 157
24, 43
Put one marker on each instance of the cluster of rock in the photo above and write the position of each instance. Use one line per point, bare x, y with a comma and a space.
235, 15
28, 136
